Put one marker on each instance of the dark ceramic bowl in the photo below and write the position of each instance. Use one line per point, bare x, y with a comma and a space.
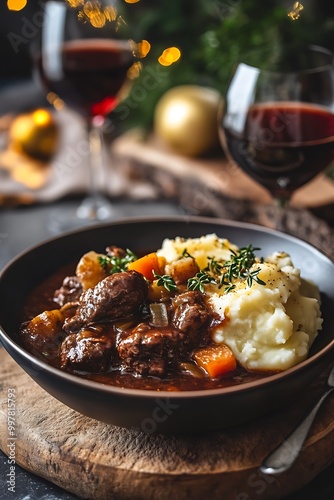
164, 411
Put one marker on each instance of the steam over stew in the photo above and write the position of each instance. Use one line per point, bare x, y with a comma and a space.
196, 314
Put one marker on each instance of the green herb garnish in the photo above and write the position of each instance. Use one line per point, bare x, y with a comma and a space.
201, 278
253, 276
166, 281
214, 266
114, 264
239, 268
185, 253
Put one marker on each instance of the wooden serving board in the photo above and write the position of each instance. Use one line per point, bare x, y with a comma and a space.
216, 173
98, 461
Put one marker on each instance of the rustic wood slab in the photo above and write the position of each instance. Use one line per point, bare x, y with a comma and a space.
98, 461
215, 173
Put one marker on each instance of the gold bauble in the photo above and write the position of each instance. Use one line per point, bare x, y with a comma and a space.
34, 134
185, 119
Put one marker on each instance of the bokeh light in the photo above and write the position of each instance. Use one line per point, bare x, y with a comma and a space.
110, 13
75, 3
295, 12
16, 5
41, 117
55, 101
134, 70
169, 56
95, 14
142, 49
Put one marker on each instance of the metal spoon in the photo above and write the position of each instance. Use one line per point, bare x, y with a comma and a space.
286, 453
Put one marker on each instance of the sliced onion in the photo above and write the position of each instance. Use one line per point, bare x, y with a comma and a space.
123, 325
159, 314
192, 369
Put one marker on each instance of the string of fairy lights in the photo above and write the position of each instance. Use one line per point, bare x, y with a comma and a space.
98, 16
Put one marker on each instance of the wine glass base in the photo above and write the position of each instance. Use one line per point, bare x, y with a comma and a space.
95, 209
89, 212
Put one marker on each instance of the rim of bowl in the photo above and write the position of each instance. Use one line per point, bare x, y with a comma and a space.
110, 389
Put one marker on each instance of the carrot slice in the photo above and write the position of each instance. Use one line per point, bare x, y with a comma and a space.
216, 360
146, 265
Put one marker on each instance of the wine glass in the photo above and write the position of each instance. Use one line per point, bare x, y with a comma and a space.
84, 57
277, 121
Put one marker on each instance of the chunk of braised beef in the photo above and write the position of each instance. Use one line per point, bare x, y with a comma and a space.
85, 351
117, 296
190, 315
146, 350
69, 291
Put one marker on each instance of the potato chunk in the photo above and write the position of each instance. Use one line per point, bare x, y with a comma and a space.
42, 334
183, 269
46, 324
89, 270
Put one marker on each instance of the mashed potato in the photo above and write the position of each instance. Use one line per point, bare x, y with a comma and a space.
268, 326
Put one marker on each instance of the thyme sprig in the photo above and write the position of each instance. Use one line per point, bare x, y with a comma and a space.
214, 266
115, 264
238, 267
185, 253
201, 278
166, 281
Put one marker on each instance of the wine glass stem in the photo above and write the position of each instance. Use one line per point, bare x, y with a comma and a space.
95, 159
280, 205
95, 206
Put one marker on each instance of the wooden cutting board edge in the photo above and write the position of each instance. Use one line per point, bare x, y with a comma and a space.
95, 461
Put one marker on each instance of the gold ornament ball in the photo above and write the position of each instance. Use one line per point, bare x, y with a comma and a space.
34, 134
185, 119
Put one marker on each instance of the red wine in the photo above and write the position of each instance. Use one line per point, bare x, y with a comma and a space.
93, 72
281, 145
